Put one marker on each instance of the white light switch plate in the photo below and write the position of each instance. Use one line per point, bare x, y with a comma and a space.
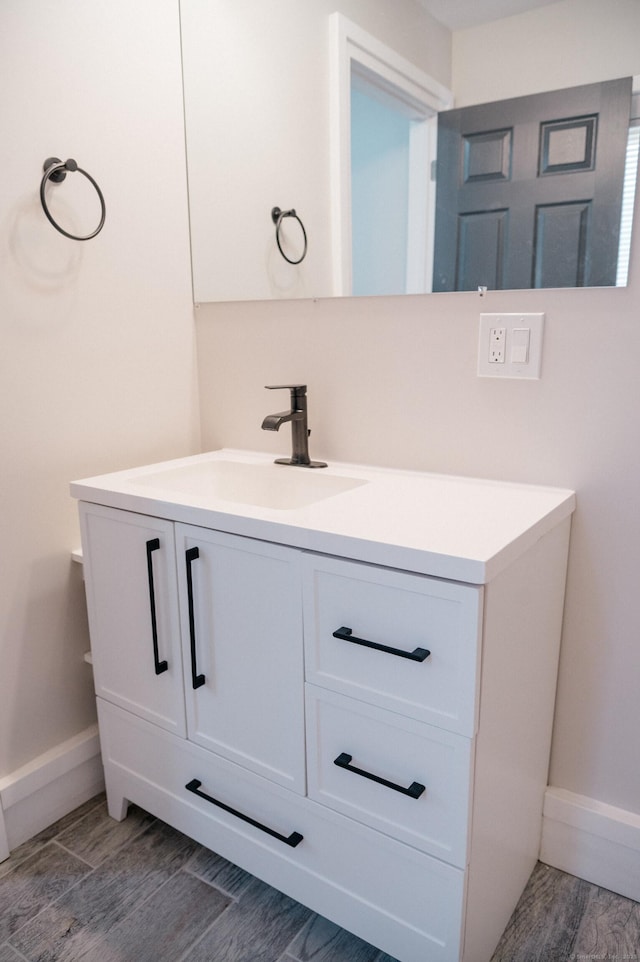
520, 354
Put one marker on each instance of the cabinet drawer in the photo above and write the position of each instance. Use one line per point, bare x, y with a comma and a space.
401, 900
407, 779
405, 613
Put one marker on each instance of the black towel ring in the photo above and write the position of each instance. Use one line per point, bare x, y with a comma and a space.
56, 171
277, 216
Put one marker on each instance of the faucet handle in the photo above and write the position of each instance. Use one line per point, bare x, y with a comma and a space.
298, 393
289, 387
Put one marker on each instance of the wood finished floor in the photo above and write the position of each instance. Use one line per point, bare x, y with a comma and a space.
96, 890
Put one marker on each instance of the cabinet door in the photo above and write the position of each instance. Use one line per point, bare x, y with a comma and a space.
133, 613
241, 613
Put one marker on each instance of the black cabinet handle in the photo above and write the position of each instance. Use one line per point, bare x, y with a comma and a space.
345, 634
414, 790
294, 839
190, 556
159, 666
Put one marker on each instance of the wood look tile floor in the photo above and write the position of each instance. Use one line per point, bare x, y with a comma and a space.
92, 889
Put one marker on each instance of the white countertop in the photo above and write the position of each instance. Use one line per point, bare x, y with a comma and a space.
459, 528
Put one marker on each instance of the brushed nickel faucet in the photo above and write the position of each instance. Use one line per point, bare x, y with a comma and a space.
299, 429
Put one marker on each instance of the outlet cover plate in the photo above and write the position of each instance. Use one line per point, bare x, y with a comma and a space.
529, 369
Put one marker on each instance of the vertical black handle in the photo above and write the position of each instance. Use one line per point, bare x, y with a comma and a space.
190, 556
160, 666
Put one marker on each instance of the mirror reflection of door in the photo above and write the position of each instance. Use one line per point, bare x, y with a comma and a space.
384, 113
529, 190
379, 193
389, 190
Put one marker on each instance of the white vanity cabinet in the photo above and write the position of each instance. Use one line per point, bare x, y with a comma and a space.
370, 738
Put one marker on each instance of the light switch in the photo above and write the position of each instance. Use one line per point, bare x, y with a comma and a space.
520, 345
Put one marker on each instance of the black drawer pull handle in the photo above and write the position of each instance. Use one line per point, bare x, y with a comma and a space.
345, 634
196, 680
414, 790
159, 666
294, 839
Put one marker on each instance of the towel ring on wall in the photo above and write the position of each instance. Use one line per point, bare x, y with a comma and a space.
277, 216
56, 171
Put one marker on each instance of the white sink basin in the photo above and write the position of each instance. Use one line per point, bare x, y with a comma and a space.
265, 485
463, 529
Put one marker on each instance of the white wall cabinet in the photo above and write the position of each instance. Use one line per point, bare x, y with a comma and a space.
372, 741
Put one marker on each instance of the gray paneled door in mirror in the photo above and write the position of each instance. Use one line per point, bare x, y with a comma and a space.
529, 190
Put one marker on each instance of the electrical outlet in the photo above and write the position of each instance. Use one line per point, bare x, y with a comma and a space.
496, 345
510, 345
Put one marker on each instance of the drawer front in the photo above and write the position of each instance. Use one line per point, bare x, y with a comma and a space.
407, 779
409, 614
399, 899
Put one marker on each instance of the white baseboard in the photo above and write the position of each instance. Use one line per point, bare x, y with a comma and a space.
596, 842
50, 786
4, 841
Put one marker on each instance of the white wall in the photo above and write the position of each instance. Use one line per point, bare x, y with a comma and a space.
97, 351
561, 45
393, 381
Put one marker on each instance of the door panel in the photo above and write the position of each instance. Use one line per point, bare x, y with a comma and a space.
481, 249
131, 592
560, 243
529, 190
242, 623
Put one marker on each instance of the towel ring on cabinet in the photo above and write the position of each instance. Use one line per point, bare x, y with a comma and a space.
277, 216
56, 171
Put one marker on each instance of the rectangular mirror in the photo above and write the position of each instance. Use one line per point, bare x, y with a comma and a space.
328, 113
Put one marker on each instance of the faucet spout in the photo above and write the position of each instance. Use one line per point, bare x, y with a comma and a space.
273, 422
299, 430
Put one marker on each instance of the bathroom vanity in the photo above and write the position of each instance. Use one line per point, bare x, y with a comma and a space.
342, 681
